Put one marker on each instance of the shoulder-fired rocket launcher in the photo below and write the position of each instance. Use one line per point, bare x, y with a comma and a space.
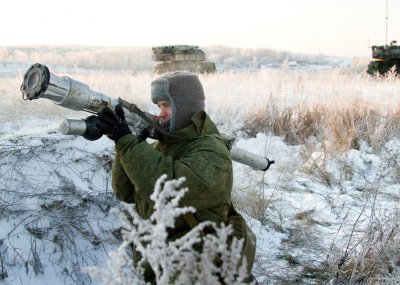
64, 91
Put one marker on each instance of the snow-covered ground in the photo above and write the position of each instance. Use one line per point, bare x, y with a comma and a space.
309, 211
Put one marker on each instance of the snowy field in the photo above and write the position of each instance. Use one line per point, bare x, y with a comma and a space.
327, 209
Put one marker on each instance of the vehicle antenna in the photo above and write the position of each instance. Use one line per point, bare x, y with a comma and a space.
387, 18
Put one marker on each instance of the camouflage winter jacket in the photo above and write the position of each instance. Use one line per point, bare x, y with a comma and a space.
191, 152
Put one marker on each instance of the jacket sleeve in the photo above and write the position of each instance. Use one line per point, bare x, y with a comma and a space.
142, 164
122, 185
207, 172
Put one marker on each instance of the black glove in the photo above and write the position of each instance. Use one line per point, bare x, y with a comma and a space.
113, 124
144, 134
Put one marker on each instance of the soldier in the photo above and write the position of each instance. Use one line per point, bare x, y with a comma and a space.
189, 148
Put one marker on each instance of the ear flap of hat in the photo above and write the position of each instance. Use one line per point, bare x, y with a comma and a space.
160, 90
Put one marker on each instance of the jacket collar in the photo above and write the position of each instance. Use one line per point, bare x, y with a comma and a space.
201, 124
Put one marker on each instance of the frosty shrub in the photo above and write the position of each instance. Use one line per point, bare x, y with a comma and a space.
173, 261
295, 125
371, 252
372, 255
339, 128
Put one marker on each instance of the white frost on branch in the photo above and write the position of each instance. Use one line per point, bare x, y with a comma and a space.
173, 261
120, 269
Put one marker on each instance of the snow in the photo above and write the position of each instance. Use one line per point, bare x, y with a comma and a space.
55, 197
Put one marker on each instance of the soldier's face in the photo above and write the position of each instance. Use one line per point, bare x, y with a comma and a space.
165, 111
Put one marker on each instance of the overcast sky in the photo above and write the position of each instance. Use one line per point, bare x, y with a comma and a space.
333, 27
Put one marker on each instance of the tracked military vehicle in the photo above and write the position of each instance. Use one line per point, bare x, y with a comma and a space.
386, 57
181, 57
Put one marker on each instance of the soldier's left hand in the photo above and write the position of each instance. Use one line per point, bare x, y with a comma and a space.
113, 124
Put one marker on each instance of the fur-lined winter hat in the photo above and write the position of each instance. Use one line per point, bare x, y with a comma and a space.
184, 92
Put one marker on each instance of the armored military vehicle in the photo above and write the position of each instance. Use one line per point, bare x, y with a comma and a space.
181, 57
386, 57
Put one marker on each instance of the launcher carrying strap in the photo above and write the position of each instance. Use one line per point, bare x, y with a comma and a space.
228, 141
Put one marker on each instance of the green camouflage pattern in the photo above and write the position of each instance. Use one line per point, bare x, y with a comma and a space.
178, 53
181, 57
193, 152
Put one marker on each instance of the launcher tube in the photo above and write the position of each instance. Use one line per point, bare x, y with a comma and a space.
258, 162
64, 91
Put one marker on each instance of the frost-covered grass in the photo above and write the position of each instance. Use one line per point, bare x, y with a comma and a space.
327, 209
